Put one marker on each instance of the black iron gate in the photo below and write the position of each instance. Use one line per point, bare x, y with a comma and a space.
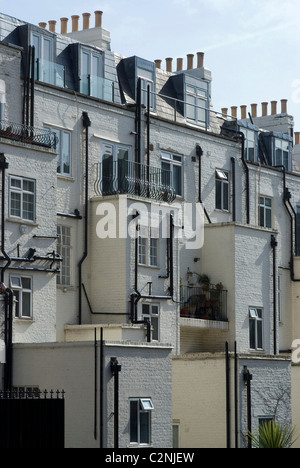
32, 420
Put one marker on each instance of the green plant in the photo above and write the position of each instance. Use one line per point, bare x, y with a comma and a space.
204, 280
272, 435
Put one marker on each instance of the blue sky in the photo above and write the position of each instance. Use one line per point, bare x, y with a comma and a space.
252, 47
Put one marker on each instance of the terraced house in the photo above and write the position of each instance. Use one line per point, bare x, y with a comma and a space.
149, 245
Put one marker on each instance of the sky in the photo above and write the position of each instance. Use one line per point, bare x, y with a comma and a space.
252, 47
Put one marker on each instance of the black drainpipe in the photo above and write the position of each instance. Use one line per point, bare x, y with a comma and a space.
274, 244
233, 190
86, 124
228, 396
247, 380
32, 87
199, 153
115, 370
3, 167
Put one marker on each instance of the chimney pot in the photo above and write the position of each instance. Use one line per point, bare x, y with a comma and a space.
179, 64
200, 59
297, 138
224, 111
243, 112
158, 63
75, 23
64, 25
169, 64
264, 108
284, 106
52, 25
273, 107
98, 19
254, 110
43, 25
190, 61
86, 20
234, 112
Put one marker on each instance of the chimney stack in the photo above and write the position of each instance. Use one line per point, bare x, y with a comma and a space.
297, 138
254, 110
98, 19
75, 23
52, 25
234, 112
200, 59
190, 61
224, 111
179, 64
284, 106
243, 112
264, 106
169, 62
273, 107
43, 25
86, 20
157, 64
64, 25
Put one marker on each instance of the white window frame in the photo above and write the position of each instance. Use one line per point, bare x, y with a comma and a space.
263, 210
174, 161
19, 292
21, 193
153, 314
64, 250
279, 146
146, 247
140, 411
223, 182
196, 104
256, 315
250, 143
146, 77
64, 150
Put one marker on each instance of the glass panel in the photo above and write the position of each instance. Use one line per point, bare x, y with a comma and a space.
15, 204
155, 328
66, 153
268, 218
107, 169
26, 304
134, 421
218, 194
28, 185
155, 310
17, 302
262, 216
166, 174
177, 180
259, 334
28, 206
145, 428
252, 332
146, 309
17, 183
15, 282
226, 196
26, 283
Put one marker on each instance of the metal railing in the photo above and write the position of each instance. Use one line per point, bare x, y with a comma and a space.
97, 87
27, 134
125, 177
50, 73
204, 303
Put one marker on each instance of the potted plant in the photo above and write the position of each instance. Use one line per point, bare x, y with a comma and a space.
204, 280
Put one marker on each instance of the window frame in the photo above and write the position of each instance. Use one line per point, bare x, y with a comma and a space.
113, 178
256, 317
246, 132
20, 191
19, 298
61, 134
278, 146
263, 210
66, 263
153, 317
170, 159
222, 183
87, 86
200, 97
146, 248
136, 426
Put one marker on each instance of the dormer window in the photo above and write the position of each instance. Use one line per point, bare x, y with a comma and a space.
282, 153
91, 73
251, 144
197, 103
44, 55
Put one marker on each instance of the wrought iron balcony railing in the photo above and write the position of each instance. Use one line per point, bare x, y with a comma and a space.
204, 303
27, 134
125, 177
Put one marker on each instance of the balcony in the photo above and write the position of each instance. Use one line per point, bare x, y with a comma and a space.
50, 73
203, 304
125, 177
97, 87
27, 134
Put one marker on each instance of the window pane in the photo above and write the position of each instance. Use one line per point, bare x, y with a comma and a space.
15, 183
28, 185
155, 328
28, 206
66, 153
177, 182
262, 216
15, 204
268, 218
26, 304
145, 428
26, 283
218, 194
153, 252
166, 174
17, 302
252, 332
226, 196
259, 334
134, 421
146, 309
